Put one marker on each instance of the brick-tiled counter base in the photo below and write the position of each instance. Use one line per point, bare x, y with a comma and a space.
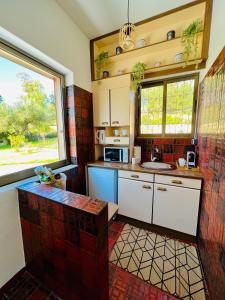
65, 238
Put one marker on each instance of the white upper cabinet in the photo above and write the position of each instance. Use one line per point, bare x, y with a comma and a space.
101, 110
120, 106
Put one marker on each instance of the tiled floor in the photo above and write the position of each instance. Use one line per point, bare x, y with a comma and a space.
170, 265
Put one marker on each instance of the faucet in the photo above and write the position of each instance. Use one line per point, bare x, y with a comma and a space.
155, 154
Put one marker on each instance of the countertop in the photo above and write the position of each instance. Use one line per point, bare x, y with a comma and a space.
138, 168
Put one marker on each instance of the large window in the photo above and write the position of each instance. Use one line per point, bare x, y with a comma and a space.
31, 117
167, 108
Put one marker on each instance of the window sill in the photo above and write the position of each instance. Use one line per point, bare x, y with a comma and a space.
14, 185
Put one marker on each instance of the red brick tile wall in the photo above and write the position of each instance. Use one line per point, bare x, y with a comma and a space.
212, 165
65, 237
79, 123
171, 148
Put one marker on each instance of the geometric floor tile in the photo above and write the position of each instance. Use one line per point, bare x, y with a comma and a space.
168, 264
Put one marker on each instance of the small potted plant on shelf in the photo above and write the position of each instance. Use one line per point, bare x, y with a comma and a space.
189, 40
138, 72
100, 63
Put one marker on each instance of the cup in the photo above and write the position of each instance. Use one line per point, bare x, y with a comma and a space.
133, 160
124, 132
116, 132
181, 162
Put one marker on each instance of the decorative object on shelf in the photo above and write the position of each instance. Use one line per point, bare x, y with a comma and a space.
126, 35
140, 43
105, 74
181, 162
119, 50
100, 63
189, 40
157, 64
138, 72
120, 72
46, 176
179, 57
170, 35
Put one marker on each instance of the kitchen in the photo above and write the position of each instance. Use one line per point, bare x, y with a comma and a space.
142, 213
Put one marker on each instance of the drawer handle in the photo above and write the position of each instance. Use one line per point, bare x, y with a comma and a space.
104, 123
161, 189
147, 187
115, 122
116, 140
177, 181
134, 176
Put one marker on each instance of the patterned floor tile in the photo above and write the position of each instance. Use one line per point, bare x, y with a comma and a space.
170, 265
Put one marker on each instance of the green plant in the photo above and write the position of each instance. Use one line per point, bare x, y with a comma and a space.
16, 141
100, 63
189, 39
138, 72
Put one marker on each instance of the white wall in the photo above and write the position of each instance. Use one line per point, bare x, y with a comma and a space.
217, 35
45, 26
11, 246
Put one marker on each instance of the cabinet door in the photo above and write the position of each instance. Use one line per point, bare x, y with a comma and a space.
135, 199
120, 106
101, 112
176, 208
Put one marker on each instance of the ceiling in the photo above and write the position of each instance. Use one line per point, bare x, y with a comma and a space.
97, 17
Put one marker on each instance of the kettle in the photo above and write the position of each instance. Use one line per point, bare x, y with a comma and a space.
100, 136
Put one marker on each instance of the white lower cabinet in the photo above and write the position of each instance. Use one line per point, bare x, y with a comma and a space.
135, 199
176, 208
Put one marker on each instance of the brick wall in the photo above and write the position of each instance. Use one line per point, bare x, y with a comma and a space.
212, 165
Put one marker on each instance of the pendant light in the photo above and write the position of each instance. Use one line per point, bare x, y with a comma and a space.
127, 32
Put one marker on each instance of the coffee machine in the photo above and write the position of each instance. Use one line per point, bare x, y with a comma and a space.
191, 159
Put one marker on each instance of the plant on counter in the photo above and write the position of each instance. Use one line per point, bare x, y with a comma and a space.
100, 63
189, 39
138, 72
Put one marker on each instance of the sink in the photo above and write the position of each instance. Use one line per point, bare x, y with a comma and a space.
157, 166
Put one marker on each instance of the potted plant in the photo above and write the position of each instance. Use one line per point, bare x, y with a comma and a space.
138, 72
189, 39
100, 63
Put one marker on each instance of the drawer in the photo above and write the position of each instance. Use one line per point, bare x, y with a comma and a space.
136, 175
117, 140
179, 181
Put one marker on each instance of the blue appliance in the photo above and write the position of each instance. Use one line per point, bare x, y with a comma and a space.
102, 184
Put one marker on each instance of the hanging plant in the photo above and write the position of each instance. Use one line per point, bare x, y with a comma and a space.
100, 63
138, 72
189, 40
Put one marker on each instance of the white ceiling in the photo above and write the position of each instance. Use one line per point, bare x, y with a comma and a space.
97, 17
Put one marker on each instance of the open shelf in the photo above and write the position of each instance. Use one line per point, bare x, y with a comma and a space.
157, 49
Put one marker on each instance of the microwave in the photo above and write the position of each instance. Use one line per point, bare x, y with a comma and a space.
116, 154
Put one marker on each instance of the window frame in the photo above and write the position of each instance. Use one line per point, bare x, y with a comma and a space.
19, 56
164, 82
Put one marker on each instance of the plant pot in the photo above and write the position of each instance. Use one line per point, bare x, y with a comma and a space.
105, 74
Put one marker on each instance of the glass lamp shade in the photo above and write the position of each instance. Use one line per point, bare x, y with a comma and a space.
127, 36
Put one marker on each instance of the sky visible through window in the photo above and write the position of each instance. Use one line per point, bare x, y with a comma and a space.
28, 129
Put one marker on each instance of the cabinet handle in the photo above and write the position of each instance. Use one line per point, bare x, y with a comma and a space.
134, 176
147, 187
177, 181
161, 189
104, 123
115, 122
116, 140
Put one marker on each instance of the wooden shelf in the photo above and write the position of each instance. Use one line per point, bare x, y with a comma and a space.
164, 67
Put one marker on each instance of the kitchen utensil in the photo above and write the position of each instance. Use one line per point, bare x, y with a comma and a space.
191, 159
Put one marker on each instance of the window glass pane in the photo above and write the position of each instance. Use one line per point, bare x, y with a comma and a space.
151, 110
28, 119
179, 107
